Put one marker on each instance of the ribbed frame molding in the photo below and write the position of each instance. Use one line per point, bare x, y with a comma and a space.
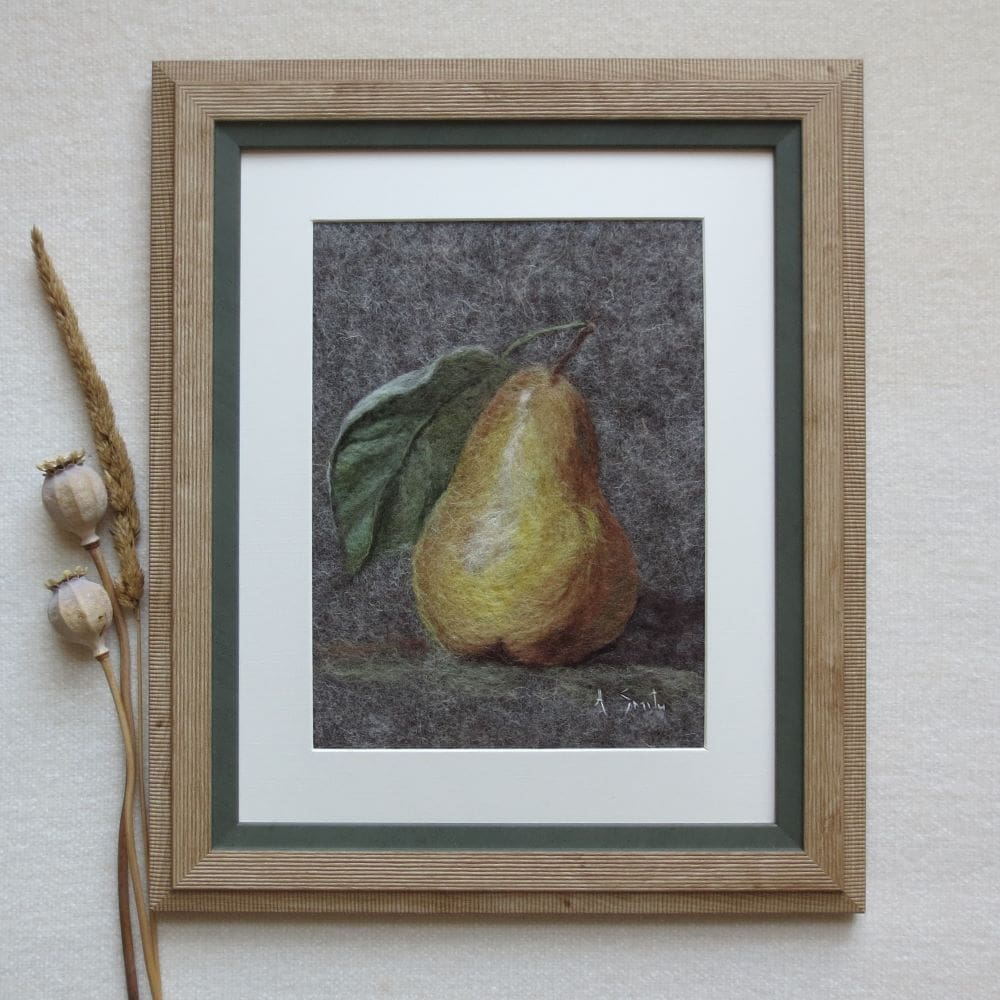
187, 874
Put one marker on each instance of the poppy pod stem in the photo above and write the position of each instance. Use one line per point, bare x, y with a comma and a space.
121, 628
146, 934
125, 683
125, 840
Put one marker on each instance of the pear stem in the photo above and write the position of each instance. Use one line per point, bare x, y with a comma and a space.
578, 340
516, 345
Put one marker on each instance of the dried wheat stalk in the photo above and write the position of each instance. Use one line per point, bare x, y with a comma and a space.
118, 472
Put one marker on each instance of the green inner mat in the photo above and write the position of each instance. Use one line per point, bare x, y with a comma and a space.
784, 140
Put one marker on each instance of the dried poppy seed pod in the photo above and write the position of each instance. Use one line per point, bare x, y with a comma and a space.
80, 610
74, 495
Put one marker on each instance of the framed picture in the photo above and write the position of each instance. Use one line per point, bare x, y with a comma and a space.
507, 487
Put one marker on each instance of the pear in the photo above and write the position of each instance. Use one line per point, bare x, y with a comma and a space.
521, 557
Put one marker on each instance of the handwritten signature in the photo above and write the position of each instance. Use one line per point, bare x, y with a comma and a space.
632, 704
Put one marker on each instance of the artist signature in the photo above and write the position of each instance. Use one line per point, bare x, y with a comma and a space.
632, 704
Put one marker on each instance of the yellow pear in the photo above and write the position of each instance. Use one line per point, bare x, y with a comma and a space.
521, 557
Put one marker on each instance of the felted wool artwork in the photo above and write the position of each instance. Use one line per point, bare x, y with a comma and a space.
547, 588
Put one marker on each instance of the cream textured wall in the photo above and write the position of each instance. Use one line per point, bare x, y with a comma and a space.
74, 122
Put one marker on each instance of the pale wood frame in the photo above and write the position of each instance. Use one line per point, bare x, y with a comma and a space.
187, 874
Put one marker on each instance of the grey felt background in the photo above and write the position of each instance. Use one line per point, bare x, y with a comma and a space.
390, 297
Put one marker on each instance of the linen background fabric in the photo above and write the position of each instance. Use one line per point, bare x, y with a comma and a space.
74, 160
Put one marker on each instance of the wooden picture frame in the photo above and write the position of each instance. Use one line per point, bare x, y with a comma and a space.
812, 859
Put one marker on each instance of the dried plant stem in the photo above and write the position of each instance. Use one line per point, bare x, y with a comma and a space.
119, 475
125, 681
121, 630
125, 914
136, 732
149, 950
125, 685
140, 688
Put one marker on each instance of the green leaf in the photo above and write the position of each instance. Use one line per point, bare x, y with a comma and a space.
397, 450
